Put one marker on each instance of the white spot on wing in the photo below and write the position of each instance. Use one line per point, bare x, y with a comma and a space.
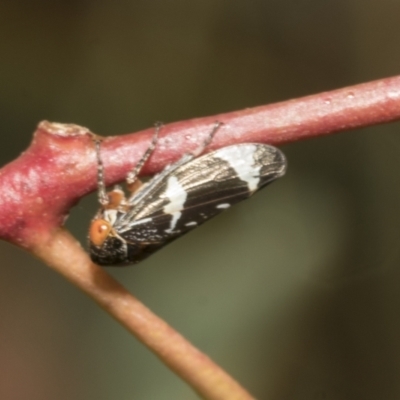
223, 206
191, 223
176, 195
241, 159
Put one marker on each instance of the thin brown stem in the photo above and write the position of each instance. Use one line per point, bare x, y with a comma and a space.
65, 255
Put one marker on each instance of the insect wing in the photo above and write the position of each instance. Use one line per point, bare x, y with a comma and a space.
193, 192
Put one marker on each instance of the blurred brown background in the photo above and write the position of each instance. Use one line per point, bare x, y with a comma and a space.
296, 291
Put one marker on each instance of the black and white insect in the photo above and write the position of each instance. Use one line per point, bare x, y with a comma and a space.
181, 197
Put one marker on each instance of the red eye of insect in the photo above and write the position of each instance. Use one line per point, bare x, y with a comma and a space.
99, 230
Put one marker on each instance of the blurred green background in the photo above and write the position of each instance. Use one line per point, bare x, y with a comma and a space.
296, 291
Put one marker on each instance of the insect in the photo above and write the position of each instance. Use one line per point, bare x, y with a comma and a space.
185, 194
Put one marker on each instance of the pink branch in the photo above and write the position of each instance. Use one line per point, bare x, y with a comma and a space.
39, 188
59, 167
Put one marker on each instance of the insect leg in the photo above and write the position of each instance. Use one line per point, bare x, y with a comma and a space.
131, 178
101, 186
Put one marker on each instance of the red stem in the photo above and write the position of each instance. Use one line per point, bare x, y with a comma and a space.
59, 167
